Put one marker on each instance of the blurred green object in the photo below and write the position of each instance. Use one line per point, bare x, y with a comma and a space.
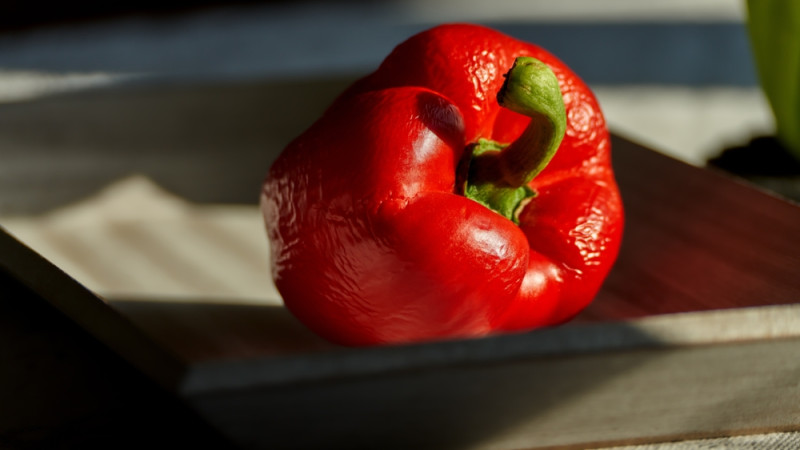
774, 27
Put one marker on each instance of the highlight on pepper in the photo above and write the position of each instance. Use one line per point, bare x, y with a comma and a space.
462, 189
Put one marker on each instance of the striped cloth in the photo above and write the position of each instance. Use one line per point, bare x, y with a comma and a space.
134, 240
766, 441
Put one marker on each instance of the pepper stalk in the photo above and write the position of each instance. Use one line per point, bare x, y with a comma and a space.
498, 174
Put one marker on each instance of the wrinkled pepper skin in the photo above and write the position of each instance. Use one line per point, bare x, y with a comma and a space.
372, 241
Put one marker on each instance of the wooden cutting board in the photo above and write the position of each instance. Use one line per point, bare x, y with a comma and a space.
695, 333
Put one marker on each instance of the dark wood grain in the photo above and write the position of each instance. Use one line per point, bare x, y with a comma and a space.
696, 240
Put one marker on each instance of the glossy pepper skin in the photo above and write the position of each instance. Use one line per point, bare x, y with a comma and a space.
373, 240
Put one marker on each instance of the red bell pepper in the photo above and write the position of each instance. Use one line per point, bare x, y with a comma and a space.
441, 197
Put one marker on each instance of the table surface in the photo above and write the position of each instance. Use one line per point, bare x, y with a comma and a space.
695, 240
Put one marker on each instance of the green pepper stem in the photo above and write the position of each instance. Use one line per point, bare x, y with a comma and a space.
499, 174
531, 88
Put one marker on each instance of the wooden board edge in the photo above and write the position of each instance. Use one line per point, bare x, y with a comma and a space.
669, 331
89, 311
